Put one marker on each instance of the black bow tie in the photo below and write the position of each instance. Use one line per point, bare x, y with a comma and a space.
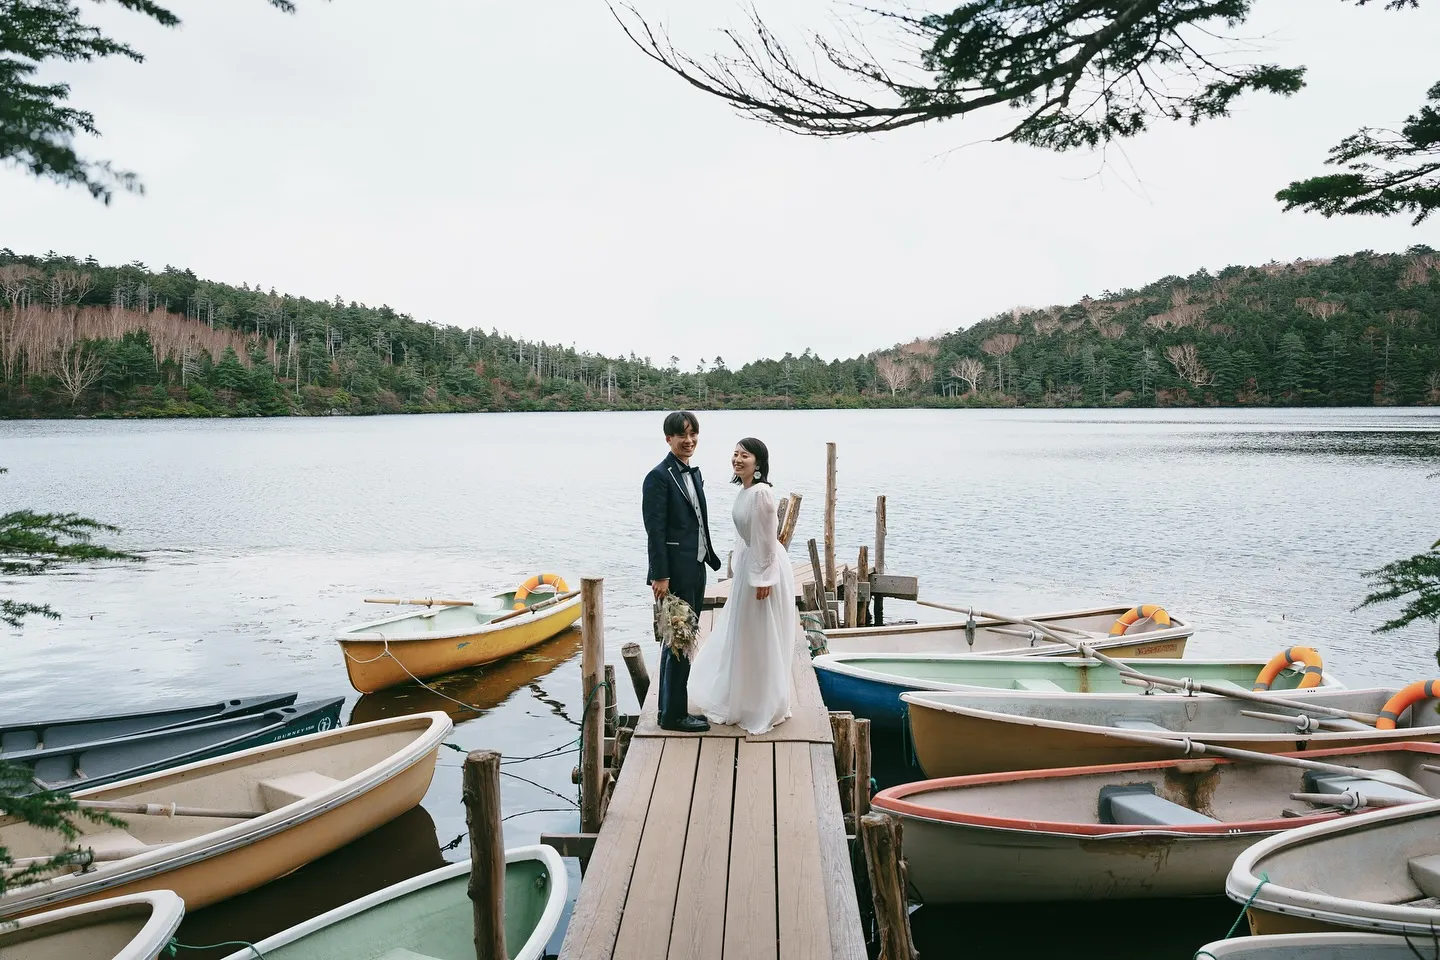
685, 469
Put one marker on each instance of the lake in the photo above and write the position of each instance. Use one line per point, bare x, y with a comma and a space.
264, 537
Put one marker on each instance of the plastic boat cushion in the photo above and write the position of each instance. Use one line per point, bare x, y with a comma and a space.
282, 791
1137, 804
1425, 871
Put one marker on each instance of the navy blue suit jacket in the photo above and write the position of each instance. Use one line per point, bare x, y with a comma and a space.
672, 533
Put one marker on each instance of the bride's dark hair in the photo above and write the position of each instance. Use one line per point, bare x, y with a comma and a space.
762, 460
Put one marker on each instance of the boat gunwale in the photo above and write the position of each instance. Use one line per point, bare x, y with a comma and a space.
239, 709
167, 912
1340, 911
1254, 945
921, 698
479, 630
206, 846
894, 799
1178, 626
555, 900
836, 663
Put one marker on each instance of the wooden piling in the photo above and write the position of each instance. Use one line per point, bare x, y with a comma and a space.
612, 709
639, 675
787, 525
880, 555
830, 517
881, 836
862, 567
842, 728
823, 604
592, 724
852, 597
862, 767
481, 792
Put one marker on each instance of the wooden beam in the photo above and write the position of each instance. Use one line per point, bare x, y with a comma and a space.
862, 567
852, 598
890, 585
862, 767
881, 836
481, 791
830, 516
592, 724
639, 675
842, 728
580, 845
787, 525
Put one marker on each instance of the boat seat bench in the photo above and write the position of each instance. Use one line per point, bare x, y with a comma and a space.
278, 792
1140, 724
1425, 872
400, 953
1039, 686
1139, 805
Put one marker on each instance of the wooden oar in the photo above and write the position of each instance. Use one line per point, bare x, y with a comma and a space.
422, 603
1188, 747
167, 810
1188, 684
537, 606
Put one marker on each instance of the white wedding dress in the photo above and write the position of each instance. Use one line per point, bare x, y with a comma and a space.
742, 673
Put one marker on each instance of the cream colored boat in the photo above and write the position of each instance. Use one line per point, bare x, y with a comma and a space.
957, 734
1323, 946
442, 639
137, 927
1375, 872
249, 817
1144, 637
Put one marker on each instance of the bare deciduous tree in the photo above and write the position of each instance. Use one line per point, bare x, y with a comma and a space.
1001, 346
77, 367
897, 375
970, 370
1186, 361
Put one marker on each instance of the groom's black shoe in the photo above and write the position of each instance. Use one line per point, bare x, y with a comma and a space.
686, 724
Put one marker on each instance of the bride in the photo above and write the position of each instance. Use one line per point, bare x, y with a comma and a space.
742, 673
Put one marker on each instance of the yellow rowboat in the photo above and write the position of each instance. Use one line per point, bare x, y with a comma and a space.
442, 639
217, 828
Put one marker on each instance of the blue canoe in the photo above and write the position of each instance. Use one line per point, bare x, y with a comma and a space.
94, 764
44, 734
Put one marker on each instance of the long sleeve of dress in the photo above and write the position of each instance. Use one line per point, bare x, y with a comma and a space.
765, 556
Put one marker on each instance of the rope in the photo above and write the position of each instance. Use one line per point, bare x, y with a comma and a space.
175, 946
1264, 879
589, 699
564, 748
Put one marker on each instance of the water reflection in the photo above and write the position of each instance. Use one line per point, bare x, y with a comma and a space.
402, 848
478, 689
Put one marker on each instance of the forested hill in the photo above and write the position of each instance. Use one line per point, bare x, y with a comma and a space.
79, 338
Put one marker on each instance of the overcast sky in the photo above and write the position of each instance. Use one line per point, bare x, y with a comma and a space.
520, 166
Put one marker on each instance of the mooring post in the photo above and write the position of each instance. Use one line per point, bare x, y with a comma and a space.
842, 730
592, 724
863, 568
819, 576
852, 597
639, 675
481, 792
830, 583
881, 835
612, 706
879, 556
862, 767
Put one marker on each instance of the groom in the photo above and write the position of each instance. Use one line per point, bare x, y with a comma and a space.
677, 526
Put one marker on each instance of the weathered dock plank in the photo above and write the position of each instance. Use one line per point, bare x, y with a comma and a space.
803, 908
750, 932
706, 868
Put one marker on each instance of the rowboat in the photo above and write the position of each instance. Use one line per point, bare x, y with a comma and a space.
1132, 830
43, 734
466, 694
869, 684
216, 828
955, 734
97, 763
1378, 872
123, 928
430, 917
440, 639
1323, 946
1143, 639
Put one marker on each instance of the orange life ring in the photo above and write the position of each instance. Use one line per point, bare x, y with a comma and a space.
539, 579
1128, 619
1314, 668
1408, 696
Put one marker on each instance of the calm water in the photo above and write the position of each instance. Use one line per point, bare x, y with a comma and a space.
265, 535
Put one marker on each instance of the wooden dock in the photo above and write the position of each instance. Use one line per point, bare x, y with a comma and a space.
723, 846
